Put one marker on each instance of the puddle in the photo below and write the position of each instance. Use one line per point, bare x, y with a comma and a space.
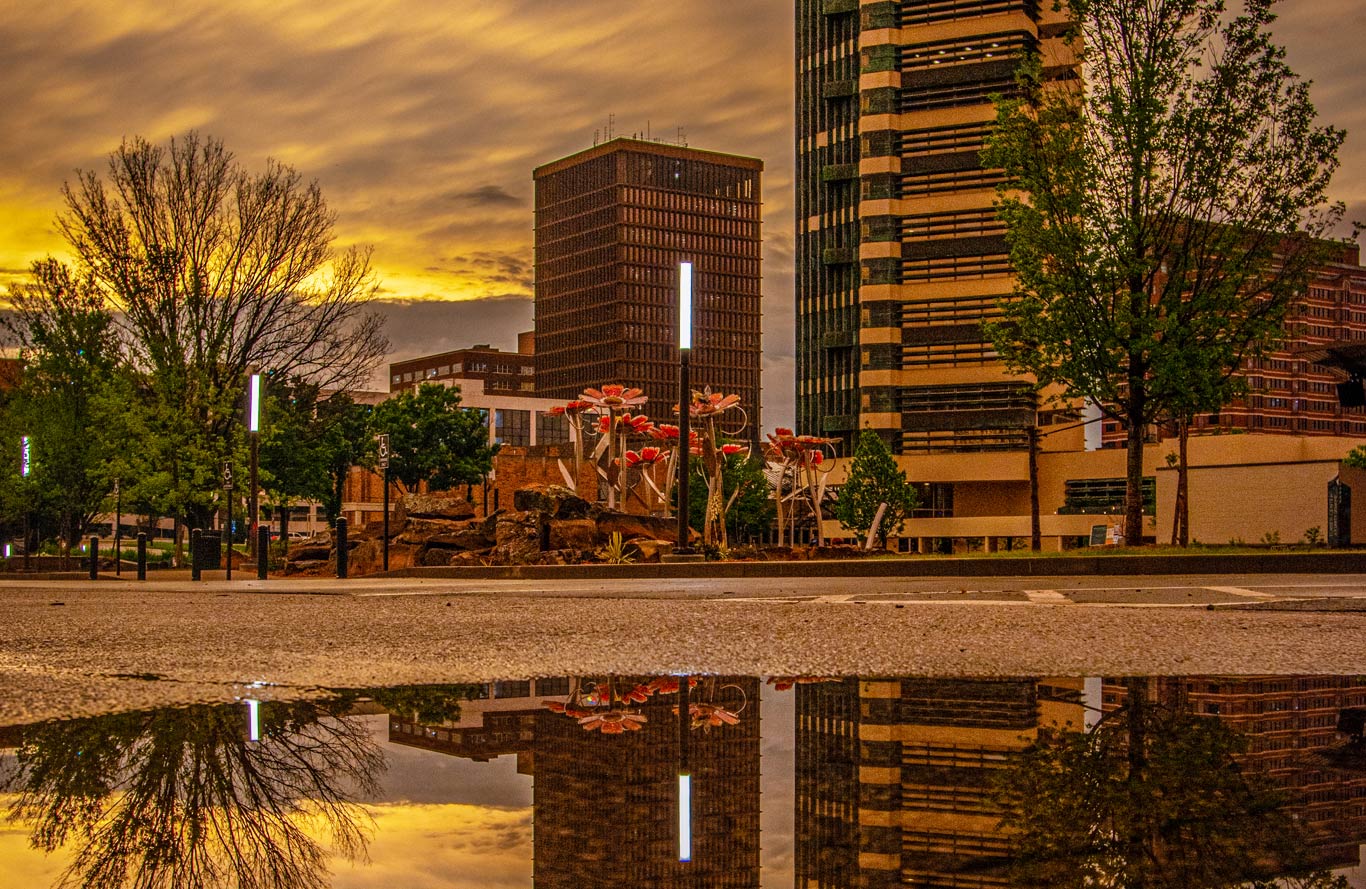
757, 782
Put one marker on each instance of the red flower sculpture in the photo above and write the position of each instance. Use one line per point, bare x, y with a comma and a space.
613, 397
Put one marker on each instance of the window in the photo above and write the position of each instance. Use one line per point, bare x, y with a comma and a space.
512, 427
552, 428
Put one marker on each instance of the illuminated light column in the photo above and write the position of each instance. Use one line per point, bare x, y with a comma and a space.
254, 430
25, 466
683, 546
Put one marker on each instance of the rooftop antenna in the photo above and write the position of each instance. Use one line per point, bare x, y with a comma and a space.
611, 123
595, 137
647, 129
682, 138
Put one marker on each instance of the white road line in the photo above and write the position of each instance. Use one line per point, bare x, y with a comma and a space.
1051, 597
1239, 591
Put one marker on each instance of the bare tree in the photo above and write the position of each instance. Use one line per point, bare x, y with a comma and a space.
217, 271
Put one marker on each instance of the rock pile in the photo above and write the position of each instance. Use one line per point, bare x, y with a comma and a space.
548, 525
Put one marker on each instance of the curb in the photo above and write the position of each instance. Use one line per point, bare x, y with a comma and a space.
1082, 566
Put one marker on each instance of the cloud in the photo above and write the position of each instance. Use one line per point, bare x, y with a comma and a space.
487, 195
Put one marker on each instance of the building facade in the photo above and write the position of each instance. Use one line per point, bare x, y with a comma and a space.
613, 223
505, 373
900, 255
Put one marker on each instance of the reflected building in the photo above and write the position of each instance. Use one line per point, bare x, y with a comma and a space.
606, 806
894, 775
1291, 727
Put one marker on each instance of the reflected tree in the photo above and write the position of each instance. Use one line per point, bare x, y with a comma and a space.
181, 798
1151, 797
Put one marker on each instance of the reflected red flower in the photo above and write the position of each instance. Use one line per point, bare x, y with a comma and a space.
614, 722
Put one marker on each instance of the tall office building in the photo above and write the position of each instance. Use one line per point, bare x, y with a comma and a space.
900, 256
613, 223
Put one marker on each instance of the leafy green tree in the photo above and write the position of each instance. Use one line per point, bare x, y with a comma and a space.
309, 443
744, 487
1162, 213
70, 350
1150, 797
432, 439
875, 479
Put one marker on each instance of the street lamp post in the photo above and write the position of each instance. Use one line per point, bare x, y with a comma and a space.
227, 525
118, 528
25, 466
684, 402
254, 436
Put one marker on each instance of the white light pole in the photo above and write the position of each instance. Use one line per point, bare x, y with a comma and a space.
25, 466
254, 432
684, 402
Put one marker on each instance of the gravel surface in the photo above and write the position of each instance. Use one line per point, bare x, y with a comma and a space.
73, 649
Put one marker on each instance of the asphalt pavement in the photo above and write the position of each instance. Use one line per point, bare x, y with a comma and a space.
70, 648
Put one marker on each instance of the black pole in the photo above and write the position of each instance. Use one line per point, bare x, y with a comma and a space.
341, 547
386, 518
227, 536
262, 552
26, 536
142, 556
196, 571
118, 531
252, 508
684, 435
94, 558
1035, 533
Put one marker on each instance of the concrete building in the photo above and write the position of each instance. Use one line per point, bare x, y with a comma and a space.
612, 224
900, 256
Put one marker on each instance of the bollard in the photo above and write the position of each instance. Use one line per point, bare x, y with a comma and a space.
142, 556
195, 570
94, 558
262, 551
544, 529
341, 547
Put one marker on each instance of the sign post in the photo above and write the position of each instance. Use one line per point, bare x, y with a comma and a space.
383, 452
227, 526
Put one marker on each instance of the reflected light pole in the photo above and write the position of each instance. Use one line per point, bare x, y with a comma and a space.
684, 772
683, 546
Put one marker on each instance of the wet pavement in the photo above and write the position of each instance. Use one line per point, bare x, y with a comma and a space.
71, 649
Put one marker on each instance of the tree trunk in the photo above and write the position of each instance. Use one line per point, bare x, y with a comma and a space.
1181, 504
1133, 488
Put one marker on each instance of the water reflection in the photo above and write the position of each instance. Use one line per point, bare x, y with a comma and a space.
899, 781
186, 798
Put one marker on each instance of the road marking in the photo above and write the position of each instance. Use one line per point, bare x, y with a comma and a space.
1050, 597
1239, 591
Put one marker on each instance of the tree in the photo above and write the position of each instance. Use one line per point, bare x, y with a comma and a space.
432, 439
1150, 797
180, 798
70, 350
309, 443
217, 272
1161, 215
874, 479
743, 486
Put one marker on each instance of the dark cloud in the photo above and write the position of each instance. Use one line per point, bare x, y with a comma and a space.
486, 196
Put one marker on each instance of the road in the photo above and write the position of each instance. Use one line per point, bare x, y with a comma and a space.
77, 648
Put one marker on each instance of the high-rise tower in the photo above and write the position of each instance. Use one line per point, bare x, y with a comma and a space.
612, 224
900, 255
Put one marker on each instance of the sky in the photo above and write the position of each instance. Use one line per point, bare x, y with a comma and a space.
422, 122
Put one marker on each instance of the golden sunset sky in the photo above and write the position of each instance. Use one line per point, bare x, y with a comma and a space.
422, 121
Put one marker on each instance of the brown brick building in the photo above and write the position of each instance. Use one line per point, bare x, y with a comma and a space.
612, 224
506, 373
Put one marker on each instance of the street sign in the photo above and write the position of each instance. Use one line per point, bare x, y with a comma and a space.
227, 476
116, 487
383, 440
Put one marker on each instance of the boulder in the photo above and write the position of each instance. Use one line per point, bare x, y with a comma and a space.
474, 538
645, 550
419, 531
310, 550
434, 506
434, 557
556, 501
576, 534
633, 526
